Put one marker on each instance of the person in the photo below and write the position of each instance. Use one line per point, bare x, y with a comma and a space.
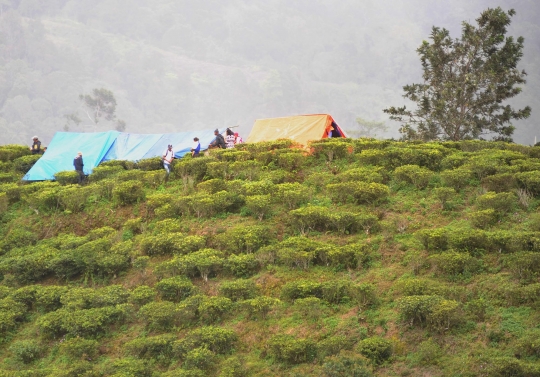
36, 146
219, 141
168, 156
238, 139
79, 165
196, 147
230, 138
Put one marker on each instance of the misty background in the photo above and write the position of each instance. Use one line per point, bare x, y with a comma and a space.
178, 65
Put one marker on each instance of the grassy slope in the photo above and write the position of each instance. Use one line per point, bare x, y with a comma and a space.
485, 331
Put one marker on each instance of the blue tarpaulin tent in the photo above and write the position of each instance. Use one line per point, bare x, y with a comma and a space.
112, 145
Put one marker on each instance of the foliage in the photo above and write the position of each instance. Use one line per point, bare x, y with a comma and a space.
216, 339
214, 308
358, 192
26, 351
142, 295
78, 348
378, 350
24, 164
159, 314
451, 106
287, 349
346, 364
260, 306
128, 192
68, 177
149, 164
237, 290
431, 310
175, 289
242, 265
415, 175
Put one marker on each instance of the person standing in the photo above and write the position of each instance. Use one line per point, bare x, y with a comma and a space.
230, 138
219, 141
168, 156
196, 147
36, 146
238, 139
79, 165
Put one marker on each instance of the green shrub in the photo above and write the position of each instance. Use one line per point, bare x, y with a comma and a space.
358, 192
128, 192
212, 309
48, 298
11, 314
413, 174
309, 307
293, 194
238, 290
79, 348
73, 198
4, 203
26, 351
346, 364
524, 265
165, 243
336, 291
444, 194
90, 322
415, 287
301, 289
484, 218
287, 349
295, 258
242, 265
332, 346
204, 262
233, 367
291, 161
103, 172
24, 164
457, 178
9, 177
260, 306
69, 177
502, 202
433, 239
157, 347
244, 239
350, 256
192, 168
159, 315
362, 174
199, 359
529, 345
175, 289
433, 311
248, 170
500, 182
127, 165
12, 191
212, 186
453, 263
428, 353
377, 349
148, 164
142, 295
331, 149
86, 298
309, 218
259, 205
218, 340
530, 181
364, 294
477, 308
12, 152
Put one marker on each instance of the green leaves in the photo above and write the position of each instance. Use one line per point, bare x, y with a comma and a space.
465, 82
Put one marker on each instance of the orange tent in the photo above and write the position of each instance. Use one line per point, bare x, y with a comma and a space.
300, 128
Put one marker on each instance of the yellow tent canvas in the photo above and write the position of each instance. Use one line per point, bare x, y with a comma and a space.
301, 129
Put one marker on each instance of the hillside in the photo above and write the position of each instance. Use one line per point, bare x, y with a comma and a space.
353, 258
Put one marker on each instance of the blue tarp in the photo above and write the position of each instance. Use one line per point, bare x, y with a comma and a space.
112, 145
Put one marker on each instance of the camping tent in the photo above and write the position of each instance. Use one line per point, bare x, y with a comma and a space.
111, 145
301, 128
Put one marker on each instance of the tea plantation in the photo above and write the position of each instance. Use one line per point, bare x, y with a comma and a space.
351, 258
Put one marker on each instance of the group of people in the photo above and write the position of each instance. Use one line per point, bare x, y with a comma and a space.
229, 141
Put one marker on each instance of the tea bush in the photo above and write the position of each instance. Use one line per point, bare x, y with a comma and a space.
142, 295
264, 187
259, 205
248, 170
457, 178
199, 359
500, 182
212, 186
524, 265
73, 198
336, 291
502, 202
260, 306
301, 289
433, 311
69, 177
529, 345
237, 290
156, 347
293, 195
24, 164
212, 309
291, 161
362, 174
377, 349
12, 191
11, 314
413, 174
128, 192
244, 239
358, 192
216, 339
346, 364
295, 258
287, 349
364, 294
332, 149
332, 346
203, 262
159, 315
242, 265
192, 168
162, 244
26, 351
454, 264
78, 348
11, 152
4, 203
530, 181
175, 289
484, 218
149, 164
103, 172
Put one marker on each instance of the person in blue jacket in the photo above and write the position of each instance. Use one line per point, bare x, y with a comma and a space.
196, 147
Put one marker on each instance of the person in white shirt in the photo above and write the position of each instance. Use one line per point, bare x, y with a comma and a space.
168, 156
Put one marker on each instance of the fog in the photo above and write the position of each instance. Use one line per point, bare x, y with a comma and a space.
176, 65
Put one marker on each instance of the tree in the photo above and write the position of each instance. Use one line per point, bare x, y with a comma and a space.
101, 105
367, 128
465, 82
